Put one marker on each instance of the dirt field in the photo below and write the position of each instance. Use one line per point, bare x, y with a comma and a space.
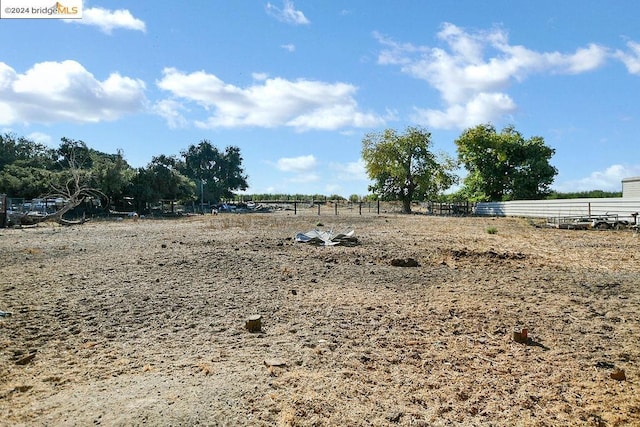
132, 323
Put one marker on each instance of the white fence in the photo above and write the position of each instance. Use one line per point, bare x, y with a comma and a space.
623, 207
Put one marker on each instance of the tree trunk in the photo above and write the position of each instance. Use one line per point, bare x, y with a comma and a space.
406, 205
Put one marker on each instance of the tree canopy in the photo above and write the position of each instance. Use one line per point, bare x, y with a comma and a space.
403, 167
30, 170
505, 165
220, 173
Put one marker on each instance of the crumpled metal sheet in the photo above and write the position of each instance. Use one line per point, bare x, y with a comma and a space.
327, 238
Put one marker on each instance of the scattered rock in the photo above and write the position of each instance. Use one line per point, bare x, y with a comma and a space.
604, 365
163, 246
408, 262
520, 336
275, 362
618, 375
394, 417
254, 323
26, 359
457, 254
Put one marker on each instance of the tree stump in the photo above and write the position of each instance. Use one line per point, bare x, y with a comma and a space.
520, 335
254, 323
618, 375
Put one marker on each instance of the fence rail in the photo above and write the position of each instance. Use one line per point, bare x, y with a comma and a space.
623, 207
16, 206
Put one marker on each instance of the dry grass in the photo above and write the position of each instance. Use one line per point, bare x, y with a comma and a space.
144, 323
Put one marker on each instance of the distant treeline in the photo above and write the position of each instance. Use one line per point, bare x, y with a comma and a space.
449, 198
202, 173
593, 194
267, 197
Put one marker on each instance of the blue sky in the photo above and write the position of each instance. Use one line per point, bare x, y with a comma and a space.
297, 84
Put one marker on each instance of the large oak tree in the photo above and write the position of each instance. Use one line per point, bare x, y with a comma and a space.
403, 167
504, 165
219, 172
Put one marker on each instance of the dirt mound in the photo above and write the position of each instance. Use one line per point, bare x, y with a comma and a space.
490, 254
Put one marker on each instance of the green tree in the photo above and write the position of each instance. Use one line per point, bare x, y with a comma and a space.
143, 188
73, 153
111, 174
25, 167
22, 152
167, 181
403, 168
161, 180
219, 173
26, 182
505, 165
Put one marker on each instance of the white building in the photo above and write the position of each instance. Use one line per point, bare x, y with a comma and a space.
631, 187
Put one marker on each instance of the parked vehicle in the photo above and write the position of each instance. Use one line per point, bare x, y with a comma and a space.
608, 222
603, 222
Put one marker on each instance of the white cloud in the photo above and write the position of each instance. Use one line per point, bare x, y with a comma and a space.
171, 111
332, 189
297, 164
351, 171
302, 168
481, 109
108, 20
609, 179
632, 59
287, 14
304, 178
583, 60
335, 117
300, 104
472, 71
40, 138
66, 92
290, 47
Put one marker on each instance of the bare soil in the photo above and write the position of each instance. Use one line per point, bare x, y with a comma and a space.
132, 323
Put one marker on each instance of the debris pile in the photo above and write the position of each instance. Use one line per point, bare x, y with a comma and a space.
328, 238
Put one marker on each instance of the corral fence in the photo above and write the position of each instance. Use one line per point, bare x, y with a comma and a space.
622, 207
16, 207
337, 207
